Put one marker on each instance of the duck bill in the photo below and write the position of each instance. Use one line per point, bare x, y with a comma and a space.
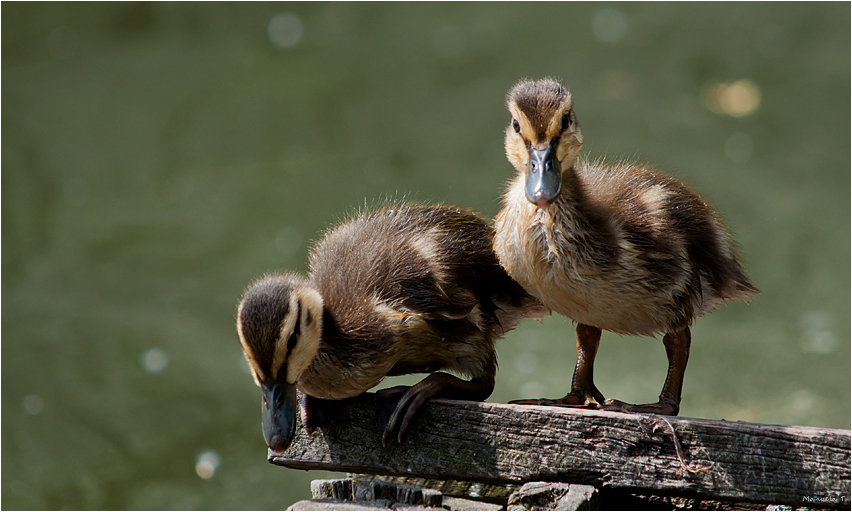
279, 415
544, 177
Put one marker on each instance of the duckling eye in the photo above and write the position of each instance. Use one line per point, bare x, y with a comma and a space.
516, 126
291, 342
566, 121
294, 336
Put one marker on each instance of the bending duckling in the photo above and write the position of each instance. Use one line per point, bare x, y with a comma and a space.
621, 247
407, 289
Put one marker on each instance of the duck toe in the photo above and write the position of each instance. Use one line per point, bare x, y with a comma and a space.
664, 408
573, 399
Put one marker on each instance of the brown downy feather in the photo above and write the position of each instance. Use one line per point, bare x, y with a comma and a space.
623, 247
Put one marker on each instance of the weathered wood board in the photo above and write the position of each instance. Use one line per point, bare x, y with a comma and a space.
512, 444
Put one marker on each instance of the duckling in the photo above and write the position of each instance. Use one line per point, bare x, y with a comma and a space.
622, 247
399, 290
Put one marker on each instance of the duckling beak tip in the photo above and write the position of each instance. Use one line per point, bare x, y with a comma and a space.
541, 202
279, 415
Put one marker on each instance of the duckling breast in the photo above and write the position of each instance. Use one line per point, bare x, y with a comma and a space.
622, 249
553, 267
335, 374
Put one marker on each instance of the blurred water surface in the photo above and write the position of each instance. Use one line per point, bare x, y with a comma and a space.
158, 157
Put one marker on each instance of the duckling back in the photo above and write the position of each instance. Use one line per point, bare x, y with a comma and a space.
667, 229
409, 289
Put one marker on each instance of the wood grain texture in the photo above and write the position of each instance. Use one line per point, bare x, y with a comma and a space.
513, 444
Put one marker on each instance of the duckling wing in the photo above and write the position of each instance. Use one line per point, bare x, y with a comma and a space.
664, 241
411, 288
462, 284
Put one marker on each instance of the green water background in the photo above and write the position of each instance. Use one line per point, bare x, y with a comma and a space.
158, 157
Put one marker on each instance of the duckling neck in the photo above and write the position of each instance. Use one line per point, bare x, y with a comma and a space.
558, 251
571, 213
570, 228
347, 363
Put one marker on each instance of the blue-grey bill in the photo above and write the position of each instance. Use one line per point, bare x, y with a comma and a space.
279, 415
544, 177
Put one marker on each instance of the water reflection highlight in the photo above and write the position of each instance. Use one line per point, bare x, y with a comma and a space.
155, 360
33, 404
285, 29
735, 99
207, 464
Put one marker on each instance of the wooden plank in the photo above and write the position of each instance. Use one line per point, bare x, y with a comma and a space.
512, 444
492, 493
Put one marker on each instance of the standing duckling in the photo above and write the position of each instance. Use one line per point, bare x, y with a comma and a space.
621, 247
408, 289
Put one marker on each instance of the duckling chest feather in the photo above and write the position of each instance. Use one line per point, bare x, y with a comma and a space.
578, 269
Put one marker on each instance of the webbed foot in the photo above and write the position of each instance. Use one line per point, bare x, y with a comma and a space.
663, 407
573, 399
397, 406
386, 403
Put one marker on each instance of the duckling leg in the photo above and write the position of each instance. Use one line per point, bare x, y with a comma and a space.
315, 412
583, 393
440, 385
677, 350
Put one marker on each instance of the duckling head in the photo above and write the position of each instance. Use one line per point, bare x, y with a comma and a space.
279, 321
543, 137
